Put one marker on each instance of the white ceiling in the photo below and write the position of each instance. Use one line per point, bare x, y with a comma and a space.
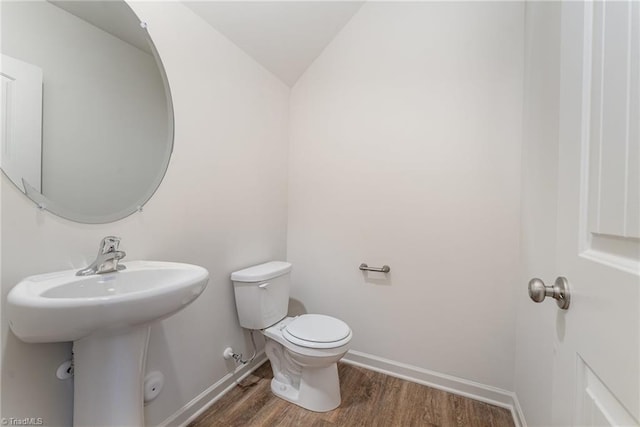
284, 36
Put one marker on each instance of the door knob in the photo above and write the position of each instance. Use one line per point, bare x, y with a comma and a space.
559, 291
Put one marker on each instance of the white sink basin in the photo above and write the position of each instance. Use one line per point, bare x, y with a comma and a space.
61, 306
107, 316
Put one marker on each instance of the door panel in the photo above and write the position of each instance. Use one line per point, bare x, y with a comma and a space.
597, 351
595, 404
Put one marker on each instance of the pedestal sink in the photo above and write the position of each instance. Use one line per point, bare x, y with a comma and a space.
107, 316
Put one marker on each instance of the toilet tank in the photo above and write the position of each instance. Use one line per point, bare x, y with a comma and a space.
262, 294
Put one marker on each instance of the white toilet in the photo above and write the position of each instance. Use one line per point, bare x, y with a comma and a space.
303, 350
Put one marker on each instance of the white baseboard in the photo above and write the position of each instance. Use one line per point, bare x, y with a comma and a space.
204, 400
448, 383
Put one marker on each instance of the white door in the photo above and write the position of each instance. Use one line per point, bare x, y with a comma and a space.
21, 121
597, 349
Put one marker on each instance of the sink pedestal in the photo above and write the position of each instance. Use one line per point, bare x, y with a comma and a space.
108, 378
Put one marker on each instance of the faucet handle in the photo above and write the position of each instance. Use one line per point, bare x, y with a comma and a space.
109, 244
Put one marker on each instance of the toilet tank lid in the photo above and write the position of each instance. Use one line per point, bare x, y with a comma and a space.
259, 273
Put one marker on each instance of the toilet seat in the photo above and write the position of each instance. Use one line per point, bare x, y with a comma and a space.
317, 331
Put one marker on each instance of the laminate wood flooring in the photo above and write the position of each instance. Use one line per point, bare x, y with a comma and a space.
368, 399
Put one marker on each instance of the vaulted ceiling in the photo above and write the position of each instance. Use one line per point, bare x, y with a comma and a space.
284, 36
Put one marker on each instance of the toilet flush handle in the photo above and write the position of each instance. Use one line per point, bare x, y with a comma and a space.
264, 285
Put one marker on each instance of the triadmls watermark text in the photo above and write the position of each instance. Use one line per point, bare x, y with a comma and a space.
24, 421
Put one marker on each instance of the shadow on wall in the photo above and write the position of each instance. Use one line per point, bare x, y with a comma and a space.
296, 308
374, 278
18, 400
160, 343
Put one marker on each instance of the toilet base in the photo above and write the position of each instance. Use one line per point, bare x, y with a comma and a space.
318, 390
305, 376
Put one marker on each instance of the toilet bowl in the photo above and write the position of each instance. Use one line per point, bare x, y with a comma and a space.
303, 350
305, 370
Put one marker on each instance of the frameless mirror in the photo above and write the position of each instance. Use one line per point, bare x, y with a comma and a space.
87, 119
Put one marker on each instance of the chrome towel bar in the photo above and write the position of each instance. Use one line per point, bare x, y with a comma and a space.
383, 269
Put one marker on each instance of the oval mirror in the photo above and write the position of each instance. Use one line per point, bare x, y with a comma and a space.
86, 116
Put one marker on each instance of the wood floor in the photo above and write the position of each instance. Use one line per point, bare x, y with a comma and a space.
368, 399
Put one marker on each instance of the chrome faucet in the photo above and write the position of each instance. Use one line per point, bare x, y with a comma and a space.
107, 259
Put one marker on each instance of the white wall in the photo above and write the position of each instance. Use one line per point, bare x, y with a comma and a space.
103, 101
222, 205
536, 322
405, 150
